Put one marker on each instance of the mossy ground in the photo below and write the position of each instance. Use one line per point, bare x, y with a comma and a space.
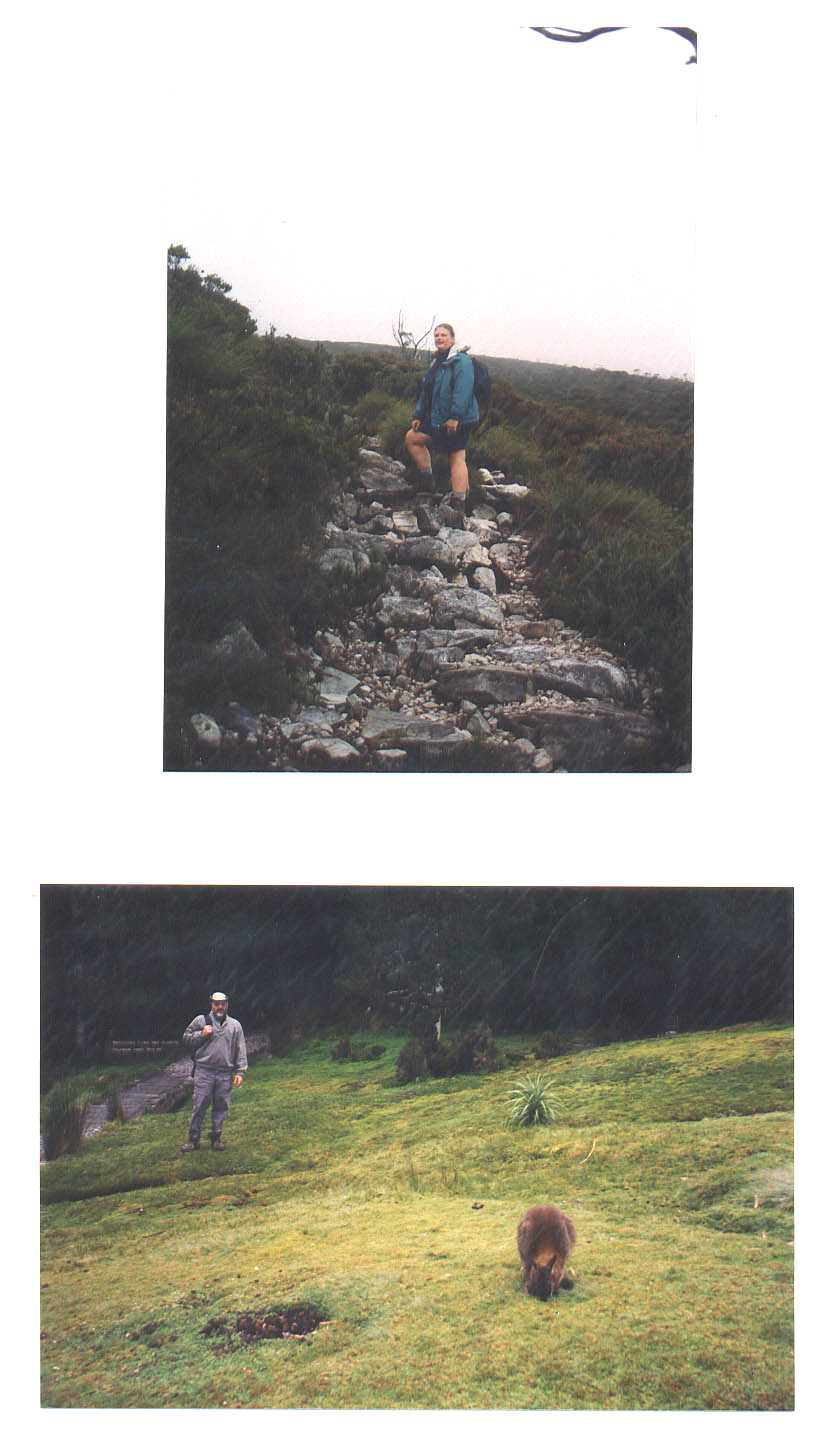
673, 1157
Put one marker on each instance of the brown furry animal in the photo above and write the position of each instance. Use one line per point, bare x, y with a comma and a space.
545, 1239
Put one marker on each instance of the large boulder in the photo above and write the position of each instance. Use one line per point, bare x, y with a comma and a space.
334, 687
470, 638
426, 551
331, 751
508, 497
602, 739
460, 605
575, 677
509, 559
419, 736
401, 611
482, 685
383, 479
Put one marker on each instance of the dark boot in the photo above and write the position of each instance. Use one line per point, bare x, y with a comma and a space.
191, 1145
454, 508
217, 1145
422, 480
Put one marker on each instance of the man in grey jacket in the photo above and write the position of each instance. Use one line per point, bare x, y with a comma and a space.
216, 1042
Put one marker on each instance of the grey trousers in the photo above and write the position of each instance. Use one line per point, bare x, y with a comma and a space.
210, 1087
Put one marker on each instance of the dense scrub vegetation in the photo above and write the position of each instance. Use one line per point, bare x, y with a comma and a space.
264, 431
256, 443
602, 964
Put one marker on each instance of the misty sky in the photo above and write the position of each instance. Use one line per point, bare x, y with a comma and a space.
539, 196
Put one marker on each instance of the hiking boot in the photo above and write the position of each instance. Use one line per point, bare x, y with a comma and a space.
190, 1146
457, 503
218, 1145
420, 479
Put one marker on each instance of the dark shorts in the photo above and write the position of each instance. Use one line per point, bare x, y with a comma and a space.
442, 440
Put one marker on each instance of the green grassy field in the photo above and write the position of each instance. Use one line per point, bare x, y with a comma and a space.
673, 1157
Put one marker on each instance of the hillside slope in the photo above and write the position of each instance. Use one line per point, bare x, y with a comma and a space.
394, 1210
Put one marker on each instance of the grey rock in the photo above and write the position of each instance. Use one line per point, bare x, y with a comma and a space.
405, 523
330, 645
426, 551
385, 729
602, 739
509, 559
401, 611
460, 605
510, 496
526, 750
321, 719
237, 647
478, 726
460, 541
335, 686
541, 762
428, 519
208, 733
484, 579
572, 676
329, 750
482, 685
379, 525
431, 659
375, 460
391, 757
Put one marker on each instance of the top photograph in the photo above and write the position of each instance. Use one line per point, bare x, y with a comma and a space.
430, 383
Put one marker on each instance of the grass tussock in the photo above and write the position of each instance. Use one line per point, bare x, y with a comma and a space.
393, 1210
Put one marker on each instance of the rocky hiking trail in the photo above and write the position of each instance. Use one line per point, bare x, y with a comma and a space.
166, 1090
454, 666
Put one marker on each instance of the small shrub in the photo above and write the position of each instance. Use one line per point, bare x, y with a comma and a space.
343, 1050
411, 1063
443, 1059
372, 1053
531, 1102
63, 1119
509, 450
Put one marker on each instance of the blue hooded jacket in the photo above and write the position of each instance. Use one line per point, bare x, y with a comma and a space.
452, 390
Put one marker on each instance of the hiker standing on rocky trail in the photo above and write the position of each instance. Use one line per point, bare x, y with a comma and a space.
216, 1043
445, 413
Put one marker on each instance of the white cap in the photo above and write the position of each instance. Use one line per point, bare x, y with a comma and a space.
218, 995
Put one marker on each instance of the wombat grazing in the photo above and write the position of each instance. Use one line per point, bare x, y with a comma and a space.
545, 1239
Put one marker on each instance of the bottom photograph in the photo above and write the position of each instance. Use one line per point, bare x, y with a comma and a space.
358, 1148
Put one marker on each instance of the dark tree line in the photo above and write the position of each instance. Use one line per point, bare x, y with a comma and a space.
610, 963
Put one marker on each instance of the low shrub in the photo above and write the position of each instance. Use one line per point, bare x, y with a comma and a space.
412, 1064
63, 1119
343, 1050
504, 448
